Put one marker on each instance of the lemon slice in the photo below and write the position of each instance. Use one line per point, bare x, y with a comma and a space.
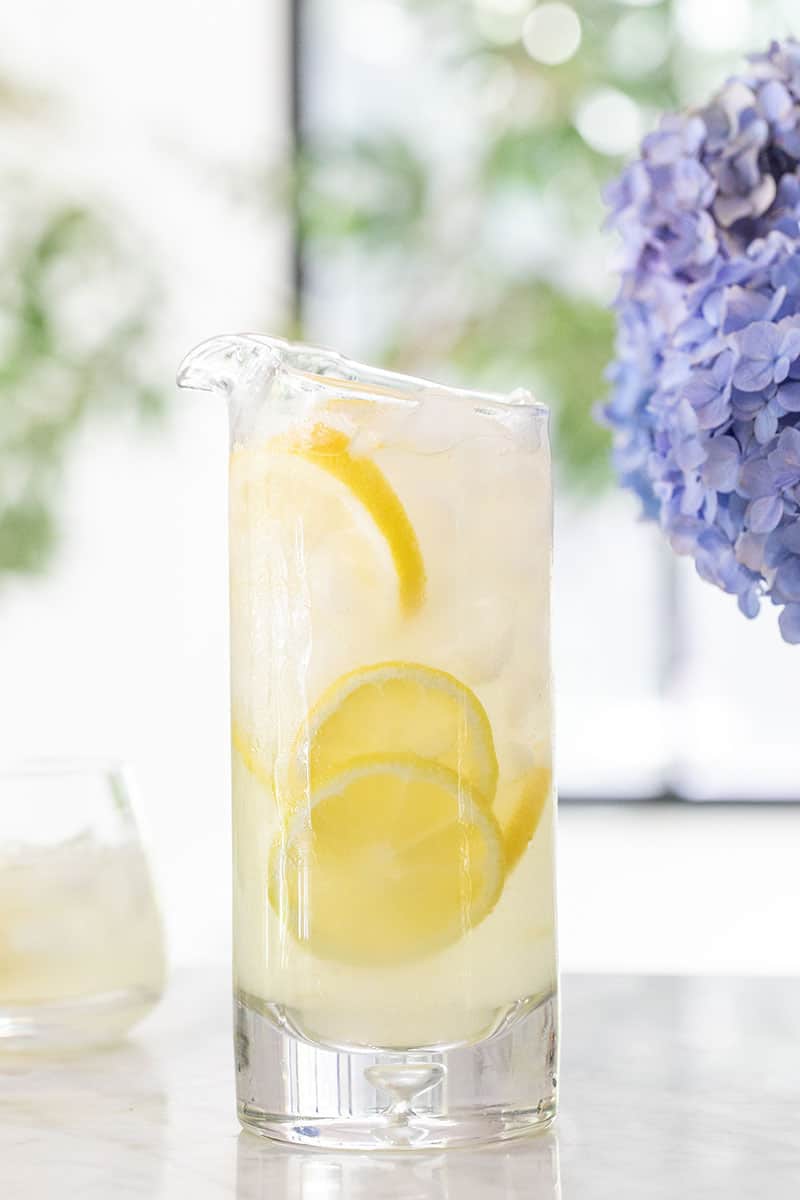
316, 536
518, 808
329, 449
393, 858
400, 708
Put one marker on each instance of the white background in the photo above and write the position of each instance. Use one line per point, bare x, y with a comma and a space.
121, 650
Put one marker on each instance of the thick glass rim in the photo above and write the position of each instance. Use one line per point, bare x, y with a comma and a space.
321, 368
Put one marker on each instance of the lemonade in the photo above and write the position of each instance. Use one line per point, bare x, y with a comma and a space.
391, 719
390, 546
61, 910
81, 947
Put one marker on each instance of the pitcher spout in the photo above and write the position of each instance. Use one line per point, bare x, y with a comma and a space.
224, 362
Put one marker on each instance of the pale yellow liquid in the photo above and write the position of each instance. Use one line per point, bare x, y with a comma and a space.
77, 923
309, 605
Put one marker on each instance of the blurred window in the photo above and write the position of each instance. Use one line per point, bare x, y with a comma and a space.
452, 158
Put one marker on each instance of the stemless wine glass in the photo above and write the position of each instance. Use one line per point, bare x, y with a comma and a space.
390, 542
81, 947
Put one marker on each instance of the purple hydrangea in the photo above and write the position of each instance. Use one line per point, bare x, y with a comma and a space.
705, 397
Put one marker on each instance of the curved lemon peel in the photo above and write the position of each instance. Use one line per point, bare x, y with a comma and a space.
519, 809
329, 449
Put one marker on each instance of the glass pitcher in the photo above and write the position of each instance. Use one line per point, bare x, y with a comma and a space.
394, 916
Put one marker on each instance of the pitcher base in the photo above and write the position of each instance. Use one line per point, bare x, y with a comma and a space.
292, 1091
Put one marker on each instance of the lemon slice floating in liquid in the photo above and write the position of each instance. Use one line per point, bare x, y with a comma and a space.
393, 858
329, 449
400, 708
518, 808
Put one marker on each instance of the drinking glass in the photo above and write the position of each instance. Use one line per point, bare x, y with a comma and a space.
81, 949
393, 807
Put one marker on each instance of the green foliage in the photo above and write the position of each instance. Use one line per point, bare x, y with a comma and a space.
527, 155
560, 344
387, 176
386, 204
75, 307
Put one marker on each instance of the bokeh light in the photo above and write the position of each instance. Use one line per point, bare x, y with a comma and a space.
714, 25
501, 21
639, 43
552, 33
609, 121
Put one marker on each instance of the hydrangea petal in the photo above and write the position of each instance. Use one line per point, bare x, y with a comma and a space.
689, 454
756, 479
766, 426
715, 412
789, 397
790, 537
784, 460
775, 101
750, 549
788, 578
789, 622
764, 514
749, 603
721, 468
752, 375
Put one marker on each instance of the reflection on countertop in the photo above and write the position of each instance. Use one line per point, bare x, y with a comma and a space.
672, 1087
525, 1168
93, 1125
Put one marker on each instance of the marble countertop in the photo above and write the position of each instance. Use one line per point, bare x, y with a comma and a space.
672, 1089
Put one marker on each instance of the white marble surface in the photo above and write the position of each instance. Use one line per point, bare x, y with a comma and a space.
673, 1089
